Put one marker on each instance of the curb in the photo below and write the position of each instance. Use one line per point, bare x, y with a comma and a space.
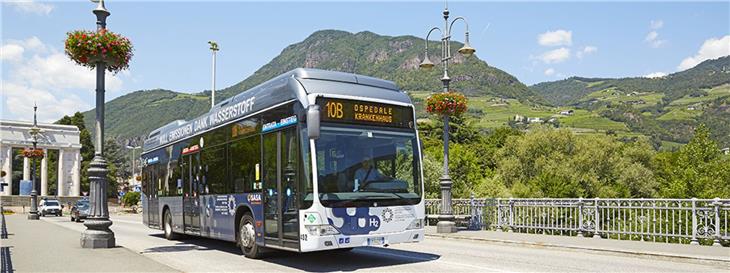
575, 247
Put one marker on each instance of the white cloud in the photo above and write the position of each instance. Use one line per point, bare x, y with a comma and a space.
656, 24
11, 52
29, 6
655, 75
32, 44
652, 38
711, 49
46, 76
587, 50
559, 37
555, 56
58, 71
19, 101
549, 72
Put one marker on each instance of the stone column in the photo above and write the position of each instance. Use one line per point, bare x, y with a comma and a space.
26, 168
61, 185
7, 155
44, 173
76, 174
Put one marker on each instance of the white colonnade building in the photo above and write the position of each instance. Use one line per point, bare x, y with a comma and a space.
15, 135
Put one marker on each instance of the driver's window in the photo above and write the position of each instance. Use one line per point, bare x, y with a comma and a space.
405, 166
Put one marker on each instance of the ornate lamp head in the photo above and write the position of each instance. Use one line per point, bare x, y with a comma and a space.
467, 50
426, 64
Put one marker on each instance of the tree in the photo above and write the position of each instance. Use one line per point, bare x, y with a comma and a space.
546, 162
130, 199
118, 165
87, 147
698, 169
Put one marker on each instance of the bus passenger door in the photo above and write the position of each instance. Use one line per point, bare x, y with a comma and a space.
153, 200
191, 192
281, 155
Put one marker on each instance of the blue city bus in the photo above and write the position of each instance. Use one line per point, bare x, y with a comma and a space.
310, 160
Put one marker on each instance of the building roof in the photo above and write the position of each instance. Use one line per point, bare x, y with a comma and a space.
17, 133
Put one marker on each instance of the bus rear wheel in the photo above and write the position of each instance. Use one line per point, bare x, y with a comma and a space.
247, 237
169, 234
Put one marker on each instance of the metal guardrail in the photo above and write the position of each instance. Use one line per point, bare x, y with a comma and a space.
691, 221
6, 265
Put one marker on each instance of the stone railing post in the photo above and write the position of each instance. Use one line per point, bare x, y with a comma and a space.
580, 217
694, 240
597, 233
472, 212
717, 204
511, 215
500, 222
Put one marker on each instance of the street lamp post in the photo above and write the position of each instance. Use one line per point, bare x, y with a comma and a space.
97, 233
446, 218
134, 159
214, 49
34, 131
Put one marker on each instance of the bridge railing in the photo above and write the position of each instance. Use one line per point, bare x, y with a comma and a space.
660, 220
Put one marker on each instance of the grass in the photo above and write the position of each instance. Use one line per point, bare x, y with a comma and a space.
680, 113
585, 119
496, 113
592, 84
712, 94
615, 96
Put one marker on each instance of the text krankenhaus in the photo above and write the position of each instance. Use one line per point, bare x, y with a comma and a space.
373, 113
222, 115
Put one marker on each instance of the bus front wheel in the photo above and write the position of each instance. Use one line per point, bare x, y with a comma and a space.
247, 237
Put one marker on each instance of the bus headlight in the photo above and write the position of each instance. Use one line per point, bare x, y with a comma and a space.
416, 224
321, 230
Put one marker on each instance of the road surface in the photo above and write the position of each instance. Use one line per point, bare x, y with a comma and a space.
432, 255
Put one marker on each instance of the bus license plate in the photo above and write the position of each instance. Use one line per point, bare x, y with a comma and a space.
376, 241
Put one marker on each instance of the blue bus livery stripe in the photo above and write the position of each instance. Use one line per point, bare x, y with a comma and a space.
282, 123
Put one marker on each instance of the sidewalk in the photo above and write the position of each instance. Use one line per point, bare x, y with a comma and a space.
40, 246
666, 250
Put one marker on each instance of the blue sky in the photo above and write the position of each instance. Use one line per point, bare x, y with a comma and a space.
535, 41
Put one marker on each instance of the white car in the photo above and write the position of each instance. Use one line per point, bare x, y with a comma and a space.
49, 207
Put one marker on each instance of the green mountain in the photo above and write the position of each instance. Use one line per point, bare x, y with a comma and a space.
367, 53
666, 108
134, 115
387, 57
708, 74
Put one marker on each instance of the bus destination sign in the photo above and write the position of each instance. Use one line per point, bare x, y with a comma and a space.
365, 113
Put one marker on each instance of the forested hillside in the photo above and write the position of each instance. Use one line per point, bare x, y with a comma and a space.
665, 109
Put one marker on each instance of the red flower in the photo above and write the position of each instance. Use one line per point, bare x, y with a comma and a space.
105, 46
450, 103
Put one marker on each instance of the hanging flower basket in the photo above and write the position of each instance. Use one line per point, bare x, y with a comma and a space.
33, 153
450, 104
88, 48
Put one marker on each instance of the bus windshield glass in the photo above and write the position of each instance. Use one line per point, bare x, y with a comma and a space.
358, 167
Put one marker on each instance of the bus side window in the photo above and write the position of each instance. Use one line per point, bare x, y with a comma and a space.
244, 156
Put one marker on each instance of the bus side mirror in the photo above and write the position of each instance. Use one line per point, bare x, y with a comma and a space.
313, 121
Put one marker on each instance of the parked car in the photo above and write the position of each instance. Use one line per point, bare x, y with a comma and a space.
80, 210
49, 207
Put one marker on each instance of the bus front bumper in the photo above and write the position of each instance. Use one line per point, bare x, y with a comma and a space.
316, 243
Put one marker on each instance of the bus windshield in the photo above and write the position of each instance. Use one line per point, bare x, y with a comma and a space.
358, 167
